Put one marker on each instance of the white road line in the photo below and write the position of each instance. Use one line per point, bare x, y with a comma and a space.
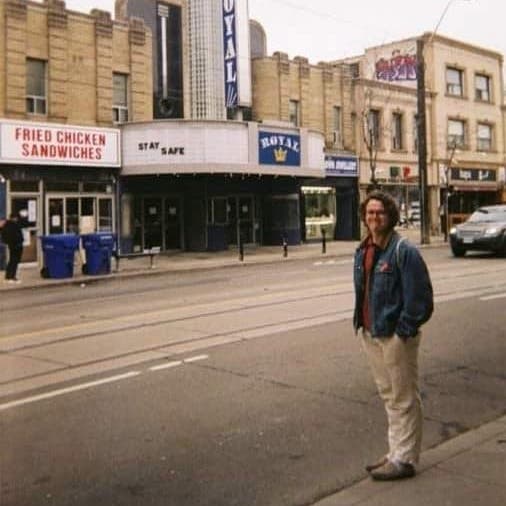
62, 391
195, 359
168, 365
492, 297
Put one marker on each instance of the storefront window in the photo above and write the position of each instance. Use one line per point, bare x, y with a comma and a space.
24, 186
285, 213
320, 210
105, 215
97, 188
79, 215
217, 211
55, 216
72, 215
62, 186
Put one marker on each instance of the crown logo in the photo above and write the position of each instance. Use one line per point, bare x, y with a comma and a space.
280, 155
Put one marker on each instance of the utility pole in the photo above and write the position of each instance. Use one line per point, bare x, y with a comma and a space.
422, 144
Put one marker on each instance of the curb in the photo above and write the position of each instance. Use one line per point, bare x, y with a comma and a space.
366, 488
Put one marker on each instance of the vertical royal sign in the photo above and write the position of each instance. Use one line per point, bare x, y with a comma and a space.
230, 53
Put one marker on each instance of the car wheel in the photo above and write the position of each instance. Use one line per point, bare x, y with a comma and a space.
458, 251
502, 250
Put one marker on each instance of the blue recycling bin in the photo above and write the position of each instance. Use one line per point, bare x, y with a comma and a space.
98, 248
59, 251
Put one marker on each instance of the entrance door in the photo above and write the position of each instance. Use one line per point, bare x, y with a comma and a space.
232, 220
241, 218
27, 208
153, 235
246, 215
172, 223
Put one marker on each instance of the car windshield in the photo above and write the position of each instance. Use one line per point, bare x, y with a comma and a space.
485, 216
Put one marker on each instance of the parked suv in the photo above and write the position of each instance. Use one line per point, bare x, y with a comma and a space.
485, 230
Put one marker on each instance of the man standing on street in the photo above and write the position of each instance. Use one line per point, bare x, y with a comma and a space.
393, 298
12, 236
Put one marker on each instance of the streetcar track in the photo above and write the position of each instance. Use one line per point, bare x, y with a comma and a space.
174, 344
130, 327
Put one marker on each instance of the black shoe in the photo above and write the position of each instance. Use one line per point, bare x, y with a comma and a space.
379, 463
391, 471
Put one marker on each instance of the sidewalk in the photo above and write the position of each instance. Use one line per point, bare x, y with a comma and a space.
469, 469
185, 261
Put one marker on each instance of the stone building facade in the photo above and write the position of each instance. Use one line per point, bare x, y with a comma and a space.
376, 96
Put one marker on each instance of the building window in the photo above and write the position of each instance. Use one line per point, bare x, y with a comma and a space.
456, 133
336, 127
373, 127
36, 100
294, 112
484, 138
397, 131
482, 87
355, 70
454, 82
119, 98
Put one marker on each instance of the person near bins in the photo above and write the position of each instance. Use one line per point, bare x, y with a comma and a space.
12, 237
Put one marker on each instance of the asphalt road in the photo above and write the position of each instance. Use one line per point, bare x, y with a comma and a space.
281, 410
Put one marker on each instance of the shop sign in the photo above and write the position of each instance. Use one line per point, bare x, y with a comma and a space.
44, 144
161, 149
480, 175
278, 149
230, 53
341, 166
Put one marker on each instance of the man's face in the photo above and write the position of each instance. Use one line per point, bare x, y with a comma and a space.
376, 218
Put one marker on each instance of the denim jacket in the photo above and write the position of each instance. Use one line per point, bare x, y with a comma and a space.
400, 290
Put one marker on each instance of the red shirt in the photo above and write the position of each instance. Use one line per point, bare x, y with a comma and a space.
370, 250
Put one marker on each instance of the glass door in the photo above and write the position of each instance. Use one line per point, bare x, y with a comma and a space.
152, 214
232, 220
241, 219
55, 216
172, 223
246, 215
27, 208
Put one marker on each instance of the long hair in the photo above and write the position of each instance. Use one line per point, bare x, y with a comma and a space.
391, 209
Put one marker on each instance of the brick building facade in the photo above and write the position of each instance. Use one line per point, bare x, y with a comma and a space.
66, 78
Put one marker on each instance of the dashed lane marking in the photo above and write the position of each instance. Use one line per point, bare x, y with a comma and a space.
492, 297
195, 359
62, 391
168, 365
91, 384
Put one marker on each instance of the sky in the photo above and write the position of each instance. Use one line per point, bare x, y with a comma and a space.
324, 30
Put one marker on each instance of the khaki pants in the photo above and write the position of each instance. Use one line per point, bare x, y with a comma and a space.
394, 364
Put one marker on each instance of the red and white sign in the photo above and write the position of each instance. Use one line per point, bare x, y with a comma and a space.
52, 144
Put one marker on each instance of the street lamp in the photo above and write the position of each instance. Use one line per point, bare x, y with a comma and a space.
422, 130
